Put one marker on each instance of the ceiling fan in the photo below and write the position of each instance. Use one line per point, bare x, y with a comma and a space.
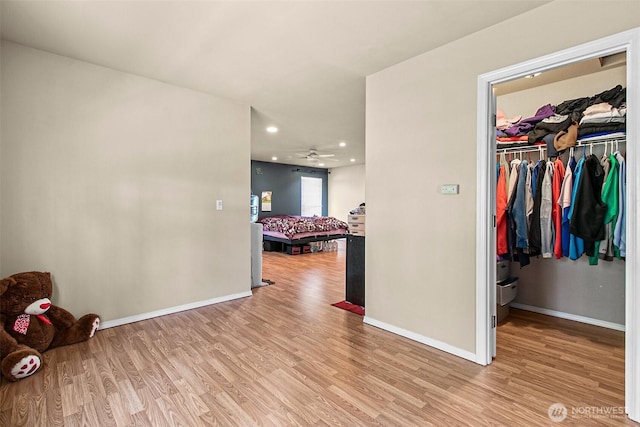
314, 157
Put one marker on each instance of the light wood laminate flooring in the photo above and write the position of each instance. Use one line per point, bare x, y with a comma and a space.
285, 356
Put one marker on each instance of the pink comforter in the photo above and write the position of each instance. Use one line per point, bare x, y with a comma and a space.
290, 225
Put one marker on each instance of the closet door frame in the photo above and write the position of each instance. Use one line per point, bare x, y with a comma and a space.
629, 42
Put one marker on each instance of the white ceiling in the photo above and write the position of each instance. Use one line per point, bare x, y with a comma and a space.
300, 65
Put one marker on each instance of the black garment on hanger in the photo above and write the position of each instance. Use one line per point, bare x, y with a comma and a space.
587, 221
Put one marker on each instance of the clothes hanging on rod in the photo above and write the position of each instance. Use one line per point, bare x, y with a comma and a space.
502, 244
620, 234
588, 211
535, 231
559, 174
610, 197
565, 202
546, 220
549, 209
576, 244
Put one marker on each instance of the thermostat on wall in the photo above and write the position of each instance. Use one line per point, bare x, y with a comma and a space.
449, 189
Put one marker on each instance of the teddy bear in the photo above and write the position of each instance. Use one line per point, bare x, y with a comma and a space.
31, 324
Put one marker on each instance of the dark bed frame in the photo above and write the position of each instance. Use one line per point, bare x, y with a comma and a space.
280, 244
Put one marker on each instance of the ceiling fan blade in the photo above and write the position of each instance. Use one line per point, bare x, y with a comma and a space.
323, 160
326, 155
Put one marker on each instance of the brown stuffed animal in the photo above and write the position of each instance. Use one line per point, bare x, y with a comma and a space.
30, 324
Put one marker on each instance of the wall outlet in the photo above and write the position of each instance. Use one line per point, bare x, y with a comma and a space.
449, 189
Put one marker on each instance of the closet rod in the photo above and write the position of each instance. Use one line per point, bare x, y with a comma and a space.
542, 148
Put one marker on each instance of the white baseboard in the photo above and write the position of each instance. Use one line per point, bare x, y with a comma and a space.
171, 310
421, 339
569, 316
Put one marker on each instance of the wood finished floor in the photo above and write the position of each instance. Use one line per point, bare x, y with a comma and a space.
285, 356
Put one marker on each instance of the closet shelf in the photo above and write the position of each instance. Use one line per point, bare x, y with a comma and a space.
584, 144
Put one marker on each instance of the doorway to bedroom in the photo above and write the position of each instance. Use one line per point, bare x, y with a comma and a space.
295, 220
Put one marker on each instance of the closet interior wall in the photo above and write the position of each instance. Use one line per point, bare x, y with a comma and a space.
565, 286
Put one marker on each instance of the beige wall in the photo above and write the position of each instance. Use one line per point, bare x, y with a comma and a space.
346, 190
110, 181
420, 264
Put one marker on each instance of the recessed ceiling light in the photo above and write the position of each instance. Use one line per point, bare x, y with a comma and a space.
274, 158
272, 129
343, 144
320, 164
353, 160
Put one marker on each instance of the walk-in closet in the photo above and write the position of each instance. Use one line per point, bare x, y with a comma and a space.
542, 266
562, 286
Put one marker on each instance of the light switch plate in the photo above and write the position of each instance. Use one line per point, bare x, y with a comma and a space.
218, 205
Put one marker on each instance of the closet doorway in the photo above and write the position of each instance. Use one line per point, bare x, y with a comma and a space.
628, 44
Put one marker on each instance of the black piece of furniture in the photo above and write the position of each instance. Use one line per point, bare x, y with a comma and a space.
279, 244
355, 270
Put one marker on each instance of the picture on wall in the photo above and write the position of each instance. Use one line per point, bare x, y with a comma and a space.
266, 201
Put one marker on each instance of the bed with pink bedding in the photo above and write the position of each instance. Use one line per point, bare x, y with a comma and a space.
301, 230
